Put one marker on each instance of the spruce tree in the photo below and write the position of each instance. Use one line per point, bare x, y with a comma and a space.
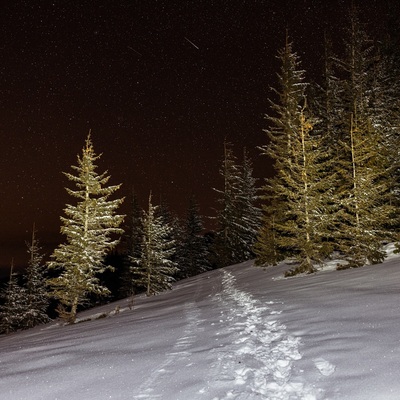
89, 227
36, 300
298, 195
248, 213
385, 110
309, 190
364, 210
238, 216
13, 311
365, 164
133, 242
154, 270
284, 122
194, 254
227, 240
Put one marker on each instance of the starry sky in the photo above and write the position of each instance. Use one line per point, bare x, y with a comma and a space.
160, 84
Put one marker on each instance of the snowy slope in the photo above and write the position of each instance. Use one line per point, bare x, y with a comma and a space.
236, 333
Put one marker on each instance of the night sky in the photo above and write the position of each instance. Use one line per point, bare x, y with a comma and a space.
159, 83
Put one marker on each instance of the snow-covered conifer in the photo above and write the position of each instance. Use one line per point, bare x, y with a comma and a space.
296, 212
194, 254
154, 270
12, 312
284, 118
133, 243
226, 243
238, 215
36, 300
366, 161
89, 227
248, 213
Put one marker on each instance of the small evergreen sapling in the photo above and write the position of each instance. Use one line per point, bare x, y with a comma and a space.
154, 270
37, 299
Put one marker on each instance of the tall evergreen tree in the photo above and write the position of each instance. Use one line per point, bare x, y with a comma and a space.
36, 300
297, 215
284, 122
364, 165
385, 109
248, 213
238, 216
89, 227
227, 240
154, 270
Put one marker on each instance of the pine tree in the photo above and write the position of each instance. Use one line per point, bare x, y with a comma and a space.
154, 270
248, 213
297, 215
385, 110
364, 165
238, 216
88, 226
327, 108
227, 241
36, 300
284, 122
134, 248
175, 235
309, 190
13, 311
364, 210
194, 254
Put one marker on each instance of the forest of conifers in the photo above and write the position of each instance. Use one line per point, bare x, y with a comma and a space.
334, 147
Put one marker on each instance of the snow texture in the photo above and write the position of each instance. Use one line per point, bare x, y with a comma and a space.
235, 333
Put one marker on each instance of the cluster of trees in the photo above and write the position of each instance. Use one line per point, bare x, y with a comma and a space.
336, 187
160, 247
26, 303
238, 216
335, 152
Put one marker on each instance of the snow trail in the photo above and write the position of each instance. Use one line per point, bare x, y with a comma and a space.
178, 357
262, 353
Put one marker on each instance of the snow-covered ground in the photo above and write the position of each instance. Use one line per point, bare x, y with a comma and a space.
236, 333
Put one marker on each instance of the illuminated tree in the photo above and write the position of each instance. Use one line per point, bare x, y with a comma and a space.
299, 194
284, 122
366, 159
89, 226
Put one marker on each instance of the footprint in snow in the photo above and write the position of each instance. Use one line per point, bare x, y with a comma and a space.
260, 361
324, 366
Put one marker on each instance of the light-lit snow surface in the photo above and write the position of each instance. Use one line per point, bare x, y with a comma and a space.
237, 333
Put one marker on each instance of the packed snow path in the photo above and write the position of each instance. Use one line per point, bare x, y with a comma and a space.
176, 360
256, 363
259, 362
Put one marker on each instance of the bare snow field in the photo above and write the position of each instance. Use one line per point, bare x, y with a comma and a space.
236, 333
